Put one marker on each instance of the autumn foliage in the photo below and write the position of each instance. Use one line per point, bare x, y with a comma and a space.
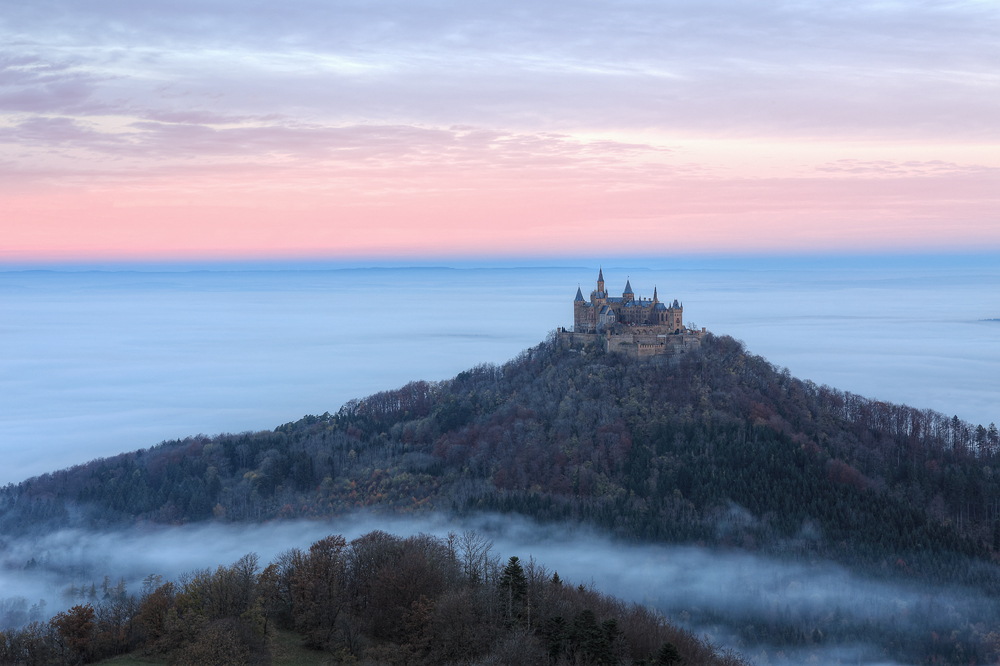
380, 599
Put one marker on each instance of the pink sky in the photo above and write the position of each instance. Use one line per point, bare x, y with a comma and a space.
328, 132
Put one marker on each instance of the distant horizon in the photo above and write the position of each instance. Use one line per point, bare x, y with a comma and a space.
679, 261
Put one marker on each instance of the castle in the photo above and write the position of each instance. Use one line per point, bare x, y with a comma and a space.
625, 324
602, 311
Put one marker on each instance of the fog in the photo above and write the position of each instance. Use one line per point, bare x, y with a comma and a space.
710, 591
95, 363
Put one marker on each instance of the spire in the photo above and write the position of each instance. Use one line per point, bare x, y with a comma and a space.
655, 299
600, 281
600, 274
628, 287
579, 295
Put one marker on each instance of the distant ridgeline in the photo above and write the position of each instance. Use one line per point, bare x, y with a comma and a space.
636, 327
571, 432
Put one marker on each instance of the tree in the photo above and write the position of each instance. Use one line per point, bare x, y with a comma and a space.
668, 655
221, 643
150, 620
556, 633
590, 641
514, 585
76, 630
316, 591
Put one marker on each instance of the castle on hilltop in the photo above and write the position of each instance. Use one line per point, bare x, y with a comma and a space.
603, 311
630, 325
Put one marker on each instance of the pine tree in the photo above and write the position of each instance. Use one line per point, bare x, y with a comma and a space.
514, 585
556, 633
590, 640
668, 655
513, 580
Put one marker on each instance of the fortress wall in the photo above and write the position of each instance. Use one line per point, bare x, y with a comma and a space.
634, 345
573, 338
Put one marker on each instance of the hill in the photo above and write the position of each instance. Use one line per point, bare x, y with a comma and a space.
719, 447
379, 600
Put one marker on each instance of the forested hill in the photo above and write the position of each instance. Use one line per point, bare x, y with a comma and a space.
720, 448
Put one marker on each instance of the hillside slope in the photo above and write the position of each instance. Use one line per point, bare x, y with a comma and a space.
719, 448
378, 600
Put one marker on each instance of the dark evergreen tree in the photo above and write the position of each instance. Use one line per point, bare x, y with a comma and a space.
668, 655
513, 580
513, 587
556, 633
590, 641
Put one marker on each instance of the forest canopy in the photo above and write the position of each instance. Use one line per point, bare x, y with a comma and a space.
380, 599
651, 452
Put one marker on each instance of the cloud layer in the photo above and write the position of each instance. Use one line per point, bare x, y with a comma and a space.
636, 112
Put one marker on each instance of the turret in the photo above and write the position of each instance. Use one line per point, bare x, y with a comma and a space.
655, 299
600, 280
580, 323
628, 295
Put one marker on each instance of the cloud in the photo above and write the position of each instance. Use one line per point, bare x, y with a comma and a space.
50, 132
738, 67
371, 149
639, 113
29, 83
896, 169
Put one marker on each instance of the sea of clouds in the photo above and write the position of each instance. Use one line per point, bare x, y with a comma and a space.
93, 363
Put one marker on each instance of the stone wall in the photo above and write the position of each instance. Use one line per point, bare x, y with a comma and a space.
638, 345
572, 338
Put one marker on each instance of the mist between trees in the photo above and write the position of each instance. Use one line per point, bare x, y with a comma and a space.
378, 599
773, 610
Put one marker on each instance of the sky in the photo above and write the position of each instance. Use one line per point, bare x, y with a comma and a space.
218, 129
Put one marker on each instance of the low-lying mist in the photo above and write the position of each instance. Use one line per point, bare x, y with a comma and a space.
775, 611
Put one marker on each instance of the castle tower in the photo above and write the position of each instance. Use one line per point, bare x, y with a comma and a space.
579, 317
628, 295
655, 299
600, 280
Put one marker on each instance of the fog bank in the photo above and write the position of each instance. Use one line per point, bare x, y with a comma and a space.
715, 592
